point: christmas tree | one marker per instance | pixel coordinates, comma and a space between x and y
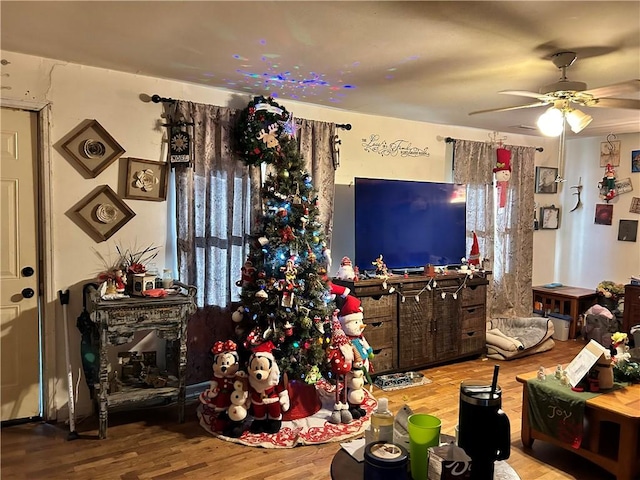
285, 297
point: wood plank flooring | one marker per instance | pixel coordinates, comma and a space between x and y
149, 444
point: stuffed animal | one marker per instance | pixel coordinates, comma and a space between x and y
269, 397
240, 402
340, 355
352, 322
218, 395
502, 172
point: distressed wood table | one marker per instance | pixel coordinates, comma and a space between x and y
620, 408
118, 321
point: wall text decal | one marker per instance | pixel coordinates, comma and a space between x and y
402, 148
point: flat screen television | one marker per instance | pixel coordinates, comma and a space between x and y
410, 223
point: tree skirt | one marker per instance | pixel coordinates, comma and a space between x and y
311, 430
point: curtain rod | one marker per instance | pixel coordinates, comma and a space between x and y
155, 98
453, 140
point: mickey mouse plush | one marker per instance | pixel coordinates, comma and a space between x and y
269, 397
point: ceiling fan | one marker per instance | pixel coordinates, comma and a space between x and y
564, 94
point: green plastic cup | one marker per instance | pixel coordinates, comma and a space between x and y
424, 432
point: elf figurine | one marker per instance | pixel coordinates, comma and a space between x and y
502, 172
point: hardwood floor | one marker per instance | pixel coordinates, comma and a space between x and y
149, 444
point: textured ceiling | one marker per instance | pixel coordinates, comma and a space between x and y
427, 61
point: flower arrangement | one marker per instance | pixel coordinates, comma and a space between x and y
624, 369
258, 131
129, 261
609, 289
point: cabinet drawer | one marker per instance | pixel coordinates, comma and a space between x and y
383, 306
379, 334
383, 360
474, 295
473, 342
148, 317
473, 318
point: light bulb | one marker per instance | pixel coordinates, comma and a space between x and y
550, 122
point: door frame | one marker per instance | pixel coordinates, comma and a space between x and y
47, 295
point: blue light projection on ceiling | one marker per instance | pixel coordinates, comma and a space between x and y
292, 82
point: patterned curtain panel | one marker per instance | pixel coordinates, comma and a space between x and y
504, 234
212, 217
513, 249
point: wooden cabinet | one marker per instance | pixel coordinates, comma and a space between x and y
631, 315
410, 324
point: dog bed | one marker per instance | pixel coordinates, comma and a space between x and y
510, 338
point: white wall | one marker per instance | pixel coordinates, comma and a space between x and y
78, 93
588, 253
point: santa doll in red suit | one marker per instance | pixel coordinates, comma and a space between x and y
269, 397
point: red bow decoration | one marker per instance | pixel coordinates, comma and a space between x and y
219, 347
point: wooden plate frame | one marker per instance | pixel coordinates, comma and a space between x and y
92, 164
159, 191
87, 212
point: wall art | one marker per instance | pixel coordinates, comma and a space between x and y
628, 230
549, 218
146, 180
635, 161
635, 205
604, 214
546, 180
623, 185
610, 153
103, 213
92, 148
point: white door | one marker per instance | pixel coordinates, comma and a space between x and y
19, 346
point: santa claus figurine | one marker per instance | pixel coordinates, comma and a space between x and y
345, 272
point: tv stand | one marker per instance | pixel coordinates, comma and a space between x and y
410, 334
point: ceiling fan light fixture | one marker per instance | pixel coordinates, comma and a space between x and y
551, 122
578, 120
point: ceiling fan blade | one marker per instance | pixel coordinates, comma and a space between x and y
506, 109
616, 103
522, 93
615, 90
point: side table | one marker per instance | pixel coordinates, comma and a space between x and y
565, 300
118, 320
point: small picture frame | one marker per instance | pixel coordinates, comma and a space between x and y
546, 180
103, 213
146, 180
635, 161
635, 205
549, 218
604, 214
92, 148
628, 230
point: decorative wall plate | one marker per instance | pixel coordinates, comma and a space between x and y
91, 146
102, 213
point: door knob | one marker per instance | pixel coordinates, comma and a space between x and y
27, 271
28, 292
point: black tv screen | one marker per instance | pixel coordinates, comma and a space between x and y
410, 223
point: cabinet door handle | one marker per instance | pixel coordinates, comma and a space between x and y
471, 310
376, 352
376, 324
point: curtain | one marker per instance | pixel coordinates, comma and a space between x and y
212, 222
217, 204
505, 235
